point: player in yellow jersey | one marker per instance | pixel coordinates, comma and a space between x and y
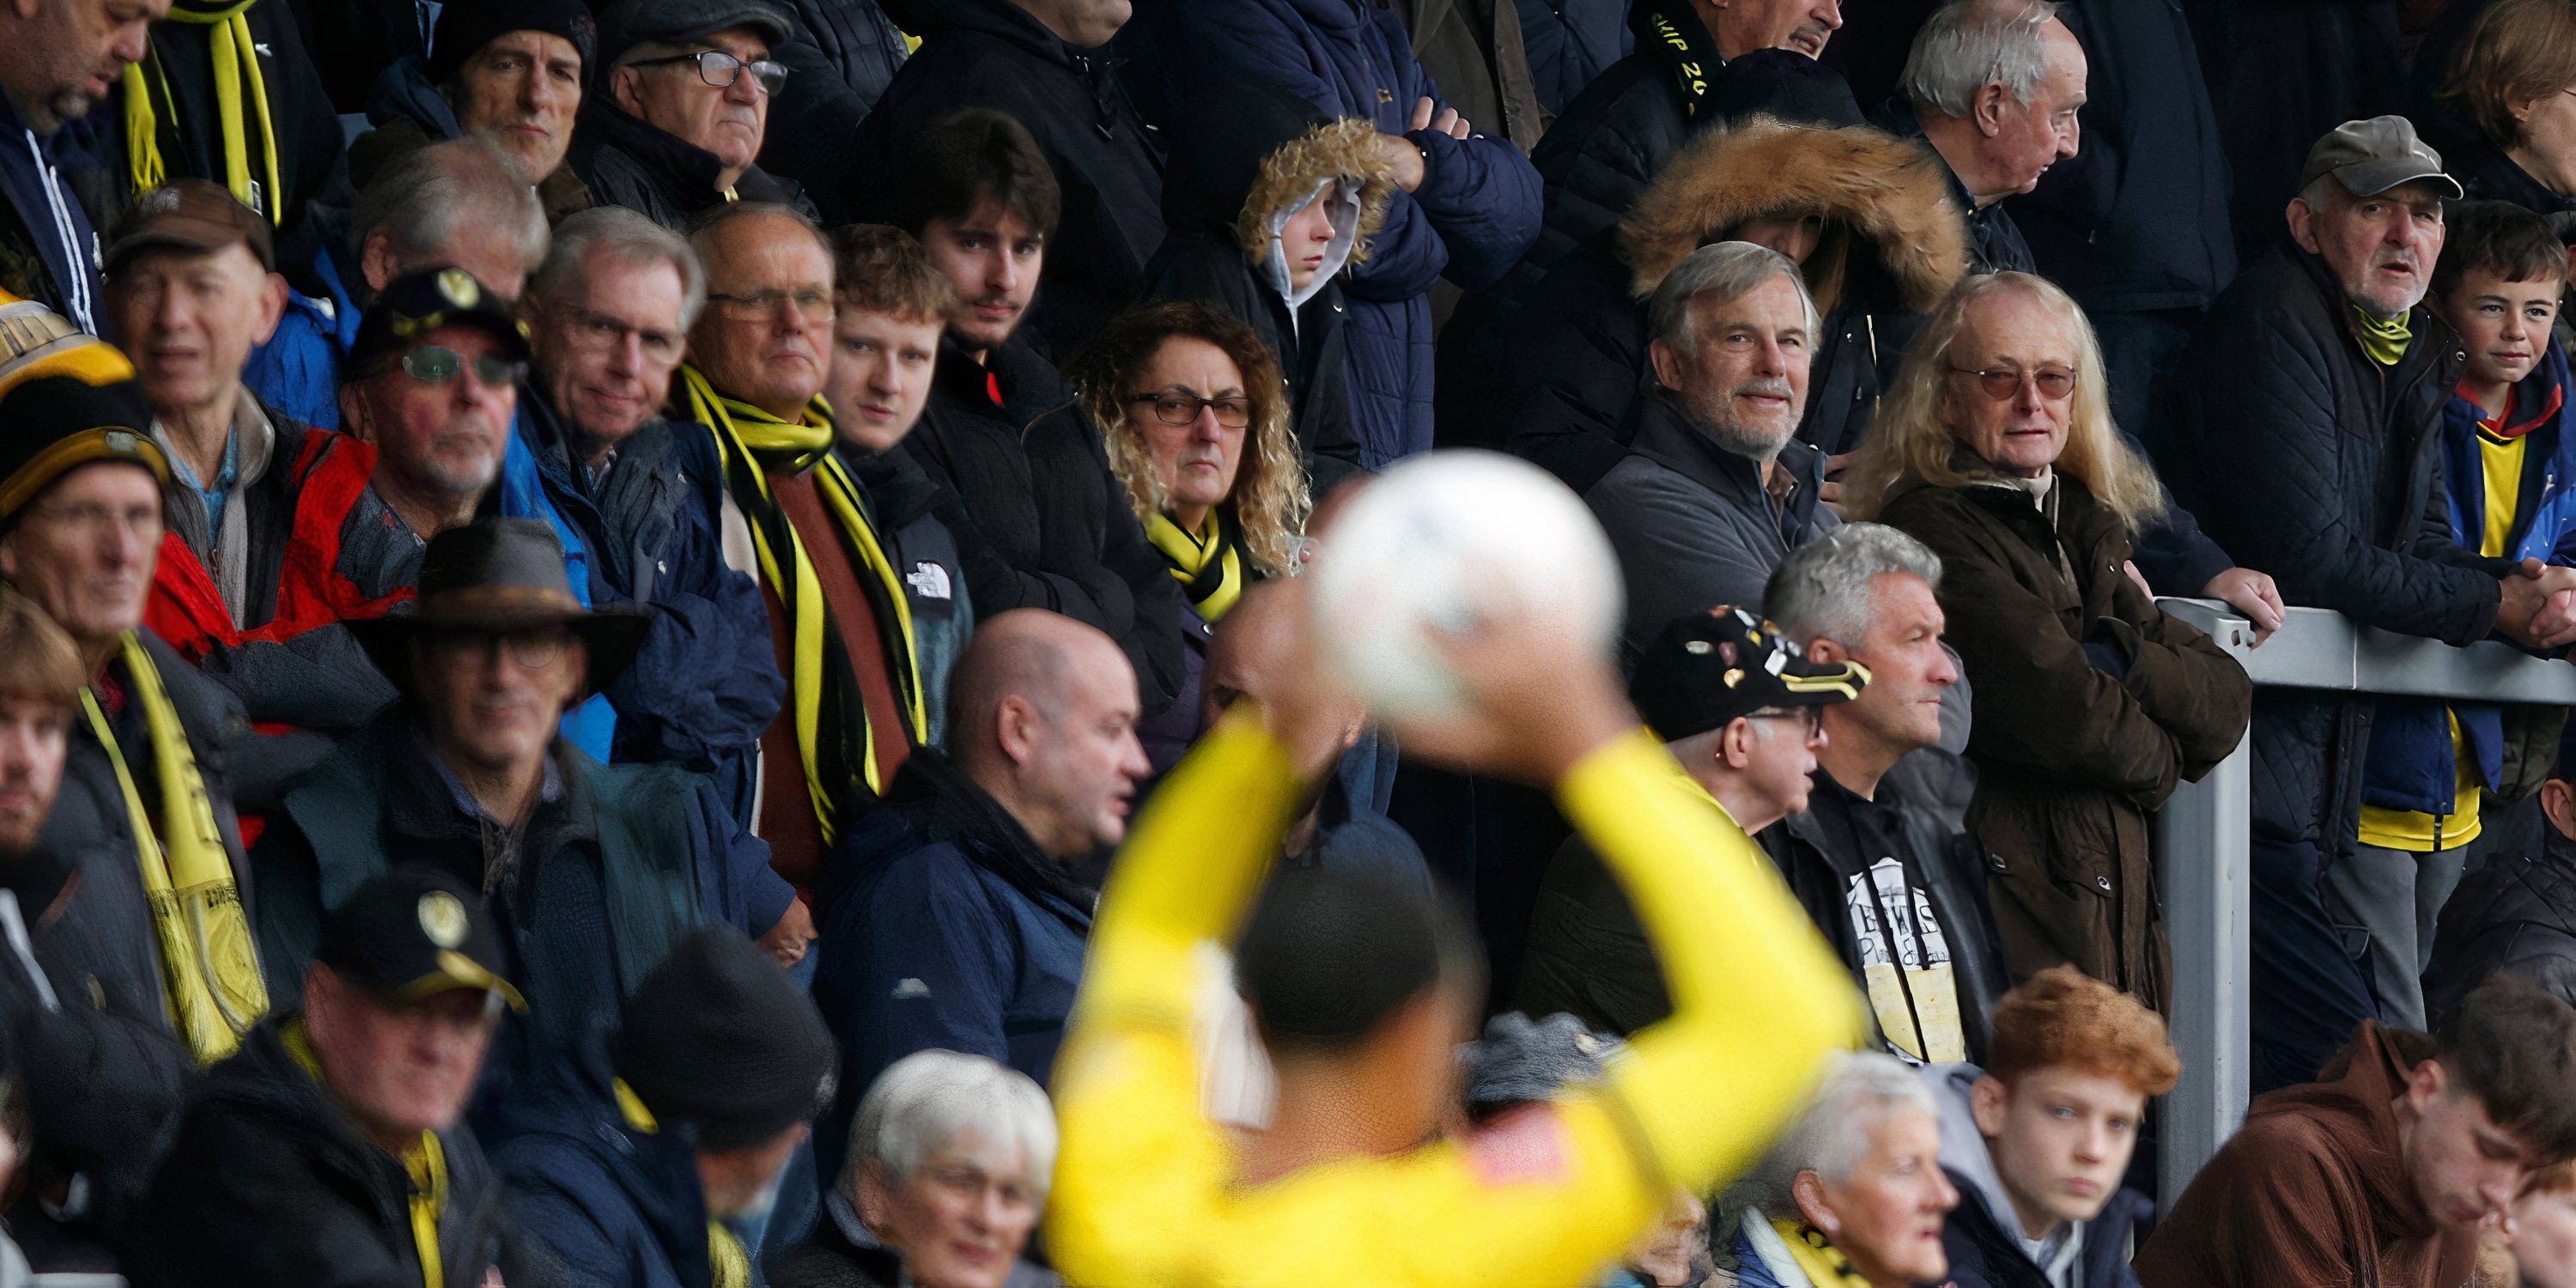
1149, 1193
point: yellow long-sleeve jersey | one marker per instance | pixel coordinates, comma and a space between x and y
1144, 1192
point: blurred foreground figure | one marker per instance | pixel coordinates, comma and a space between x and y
1362, 993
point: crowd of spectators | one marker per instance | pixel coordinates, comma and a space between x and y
591, 592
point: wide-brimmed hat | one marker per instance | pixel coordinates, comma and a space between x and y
498, 576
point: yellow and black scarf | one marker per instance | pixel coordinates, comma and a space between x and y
1675, 33
750, 441
208, 967
426, 1165
241, 106
1824, 1264
1209, 564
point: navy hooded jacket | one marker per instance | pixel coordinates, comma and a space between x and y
2410, 761
1473, 217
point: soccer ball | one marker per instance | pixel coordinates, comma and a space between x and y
1437, 542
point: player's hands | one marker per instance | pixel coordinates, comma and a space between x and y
1537, 698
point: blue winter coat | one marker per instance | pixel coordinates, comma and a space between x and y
1475, 215
2410, 761
620, 1204
944, 927
705, 684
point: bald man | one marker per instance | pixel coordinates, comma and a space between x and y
951, 918
1254, 655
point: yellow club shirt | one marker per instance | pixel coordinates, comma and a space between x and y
1145, 1194
2501, 460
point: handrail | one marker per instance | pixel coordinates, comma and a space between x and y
2204, 834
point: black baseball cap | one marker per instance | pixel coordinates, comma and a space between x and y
1709, 668
417, 303
413, 932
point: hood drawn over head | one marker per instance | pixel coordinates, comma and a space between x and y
1890, 197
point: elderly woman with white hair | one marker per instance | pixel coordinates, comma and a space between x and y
1852, 1194
1998, 452
950, 1158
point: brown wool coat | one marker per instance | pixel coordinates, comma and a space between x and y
2070, 760
2312, 1193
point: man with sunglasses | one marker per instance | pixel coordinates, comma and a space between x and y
680, 113
1717, 487
594, 870
1742, 711
428, 405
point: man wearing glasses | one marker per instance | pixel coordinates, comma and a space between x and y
1716, 489
684, 106
431, 390
1742, 712
608, 319
594, 871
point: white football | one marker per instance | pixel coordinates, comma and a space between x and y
1438, 541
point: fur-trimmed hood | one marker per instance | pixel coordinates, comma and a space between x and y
1894, 196
1344, 150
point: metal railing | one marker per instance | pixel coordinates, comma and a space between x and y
2203, 837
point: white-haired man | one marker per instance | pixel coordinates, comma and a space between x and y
1994, 87
1716, 489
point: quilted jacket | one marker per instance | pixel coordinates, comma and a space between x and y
2307, 461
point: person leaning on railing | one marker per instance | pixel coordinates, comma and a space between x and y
1997, 451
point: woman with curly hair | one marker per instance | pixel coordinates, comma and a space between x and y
1195, 415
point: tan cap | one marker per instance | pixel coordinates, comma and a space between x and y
2370, 157
188, 214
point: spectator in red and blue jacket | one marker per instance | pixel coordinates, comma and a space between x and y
1469, 205
2509, 483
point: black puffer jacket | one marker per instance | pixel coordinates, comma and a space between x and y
1556, 383
991, 53
1048, 527
1248, 155
668, 180
2137, 219
2516, 916
2483, 169
2305, 460
2281, 73
839, 60
269, 1183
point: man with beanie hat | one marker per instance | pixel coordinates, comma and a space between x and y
720, 1067
512, 71
331, 1148
148, 792
1741, 710
682, 106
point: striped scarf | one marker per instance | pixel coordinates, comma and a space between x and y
1209, 564
209, 970
1816, 1256
241, 105
750, 442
